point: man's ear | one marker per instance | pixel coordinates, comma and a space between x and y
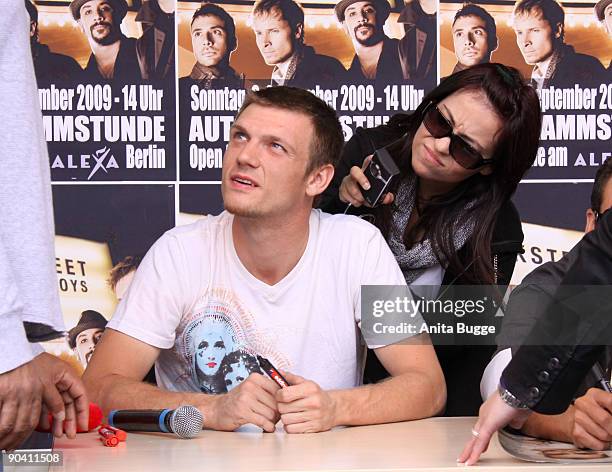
486, 170
558, 30
590, 221
299, 31
318, 180
495, 46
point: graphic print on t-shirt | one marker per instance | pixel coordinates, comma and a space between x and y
220, 341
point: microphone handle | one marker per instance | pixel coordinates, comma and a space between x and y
141, 420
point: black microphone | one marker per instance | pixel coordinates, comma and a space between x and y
186, 421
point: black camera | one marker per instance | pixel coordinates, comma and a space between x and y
380, 172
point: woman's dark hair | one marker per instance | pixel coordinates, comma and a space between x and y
518, 106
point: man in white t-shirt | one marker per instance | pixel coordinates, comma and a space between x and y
270, 276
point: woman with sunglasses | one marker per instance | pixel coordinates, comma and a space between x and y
447, 216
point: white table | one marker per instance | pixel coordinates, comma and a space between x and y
427, 444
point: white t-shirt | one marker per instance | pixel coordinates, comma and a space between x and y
193, 298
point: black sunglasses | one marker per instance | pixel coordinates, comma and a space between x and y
439, 127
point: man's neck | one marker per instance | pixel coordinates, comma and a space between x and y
167, 6
269, 248
283, 66
368, 58
106, 57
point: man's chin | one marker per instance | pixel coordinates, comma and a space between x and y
369, 41
105, 40
243, 211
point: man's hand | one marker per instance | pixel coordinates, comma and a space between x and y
593, 420
251, 402
63, 396
305, 407
494, 414
21, 396
45, 384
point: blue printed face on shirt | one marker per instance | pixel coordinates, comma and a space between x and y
210, 353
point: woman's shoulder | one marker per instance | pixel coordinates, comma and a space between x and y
508, 231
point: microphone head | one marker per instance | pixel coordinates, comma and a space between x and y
186, 421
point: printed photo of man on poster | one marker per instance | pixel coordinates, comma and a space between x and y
49, 65
83, 338
279, 32
155, 48
102, 231
474, 36
603, 12
213, 38
539, 26
110, 113
377, 56
113, 55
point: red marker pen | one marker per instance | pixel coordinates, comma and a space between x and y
272, 372
107, 437
121, 435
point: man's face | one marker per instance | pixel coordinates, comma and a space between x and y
98, 23
264, 168
471, 41
86, 343
210, 352
535, 37
209, 40
361, 24
608, 19
274, 38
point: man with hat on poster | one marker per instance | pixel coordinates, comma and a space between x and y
83, 338
376, 55
603, 12
113, 54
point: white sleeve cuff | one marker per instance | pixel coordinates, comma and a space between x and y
493, 372
14, 345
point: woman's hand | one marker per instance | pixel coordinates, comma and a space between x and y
494, 415
350, 188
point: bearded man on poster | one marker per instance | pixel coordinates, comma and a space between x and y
113, 55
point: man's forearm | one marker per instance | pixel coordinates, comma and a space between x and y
408, 396
554, 427
115, 392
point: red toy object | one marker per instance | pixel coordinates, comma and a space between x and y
95, 418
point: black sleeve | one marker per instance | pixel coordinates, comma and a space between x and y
507, 241
353, 154
546, 375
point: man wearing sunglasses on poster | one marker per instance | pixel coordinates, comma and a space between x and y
464, 151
